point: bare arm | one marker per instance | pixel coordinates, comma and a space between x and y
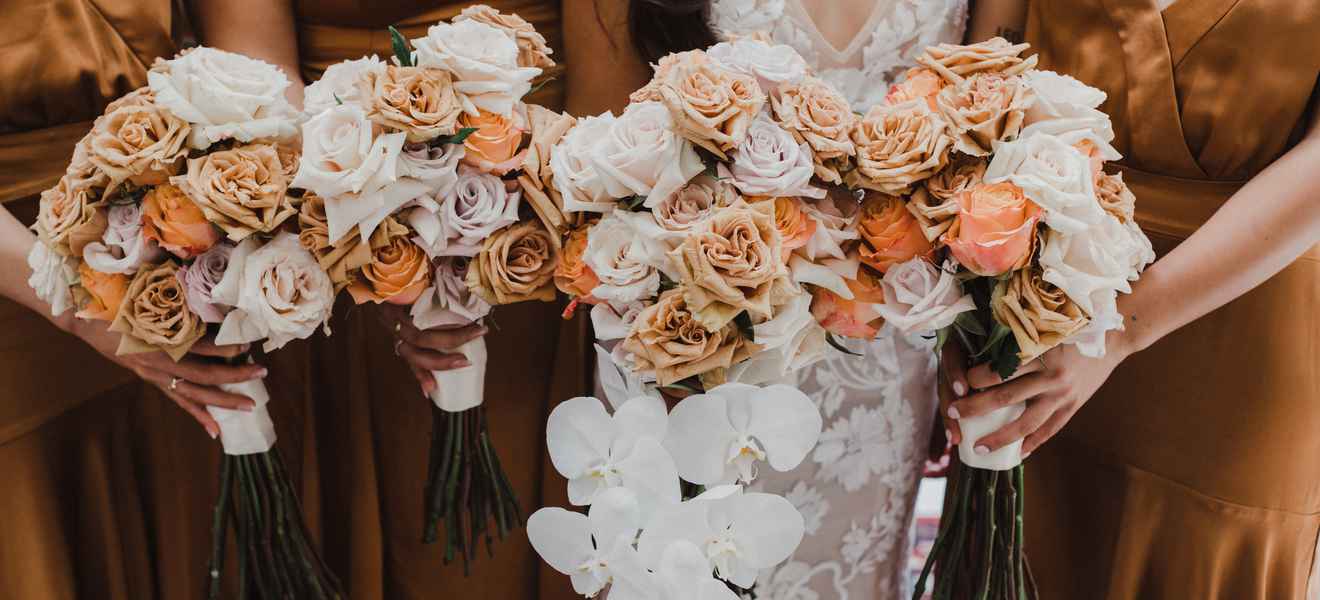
602, 67
1002, 18
263, 29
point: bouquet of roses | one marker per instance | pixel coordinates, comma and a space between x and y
171, 223
416, 170
997, 168
715, 236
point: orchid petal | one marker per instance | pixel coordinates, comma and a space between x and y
768, 528
786, 423
614, 517
561, 537
578, 435
650, 472
699, 434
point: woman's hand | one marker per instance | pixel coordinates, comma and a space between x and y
1054, 386
192, 382
427, 350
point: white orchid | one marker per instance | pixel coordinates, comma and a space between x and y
720, 436
738, 533
683, 573
597, 452
588, 548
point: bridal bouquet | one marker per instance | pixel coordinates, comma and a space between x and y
414, 171
171, 223
997, 167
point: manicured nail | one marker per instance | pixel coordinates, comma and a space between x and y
1024, 456
948, 435
981, 450
953, 413
213, 433
462, 364
262, 373
959, 389
249, 407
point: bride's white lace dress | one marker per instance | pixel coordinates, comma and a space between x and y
857, 489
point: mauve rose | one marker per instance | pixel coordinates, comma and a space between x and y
448, 302
770, 162
201, 276
122, 248
435, 166
456, 225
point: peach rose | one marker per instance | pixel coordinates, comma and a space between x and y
493, 147
340, 258
243, 190
890, 234
667, 339
515, 264
573, 276
932, 203
794, 226
105, 293
1115, 197
398, 272
154, 314
985, 108
733, 262
69, 216
712, 106
954, 62
856, 318
815, 113
898, 146
174, 222
137, 141
417, 101
532, 49
917, 83
1040, 314
995, 231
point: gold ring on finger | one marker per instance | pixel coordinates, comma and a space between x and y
174, 383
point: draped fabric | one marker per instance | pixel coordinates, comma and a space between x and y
1193, 472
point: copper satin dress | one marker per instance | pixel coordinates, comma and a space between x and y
107, 485
1194, 474
374, 424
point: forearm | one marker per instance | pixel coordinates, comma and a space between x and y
1262, 229
1002, 18
15, 243
264, 29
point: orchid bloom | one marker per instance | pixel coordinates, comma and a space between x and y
683, 573
720, 436
588, 547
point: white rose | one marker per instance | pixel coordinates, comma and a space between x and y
833, 230
52, 274
483, 60
790, 341
122, 248
1054, 175
223, 95
773, 65
613, 322
339, 84
279, 293
477, 206
356, 171
1063, 98
448, 302
436, 167
769, 162
575, 176
624, 261
922, 298
641, 154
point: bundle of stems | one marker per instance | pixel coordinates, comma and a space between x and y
276, 556
466, 487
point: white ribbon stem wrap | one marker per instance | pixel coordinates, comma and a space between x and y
243, 432
975, 428
457, 390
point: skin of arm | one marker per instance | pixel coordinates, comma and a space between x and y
602, 68
263, 29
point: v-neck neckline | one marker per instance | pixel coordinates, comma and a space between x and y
859, 38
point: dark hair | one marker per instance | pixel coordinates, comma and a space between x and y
660, 27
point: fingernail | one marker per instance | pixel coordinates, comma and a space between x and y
948, 435
953, 413
462, 364
959, 389
981, 450
1025, 456
262, 373
250, 406
213, 433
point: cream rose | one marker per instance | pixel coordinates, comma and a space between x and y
278, 291
624, 261
580, 186
898, 146
223, 95
339, 85
983, 109
137, 141
482, 58
770, 162
419, 102
122, 248
155, 315
1040, 315
642, 155
922, 298
515, 264
711, 105
668, 342
773, 65
243, 190
734, 262
52, 275
1054, 175
70, 216
1063, 98
479, 205
532, 49
449, 302
815, 113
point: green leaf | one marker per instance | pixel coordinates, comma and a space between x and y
1008, 361
634, 203
536, 88
968, 322
744, 323
401, 50
941, 338
458, 137
338, 99
829, 339
998, 335
666, 284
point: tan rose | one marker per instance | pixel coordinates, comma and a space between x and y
711, 106
417, 101
105, 293
815, 113
733, 262
537, 178
573, 276
515, 264
137, 141
338, 258
242, 190
532, 49
1115, 197
890, 234
954, 62
493, 147
154, 314
794, 226
932, 203
666, 338
398, 272
985, 108
1040, 314
916, 83
176, 223
70, 217
995, 231
82, 172
898, 146
693, 202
